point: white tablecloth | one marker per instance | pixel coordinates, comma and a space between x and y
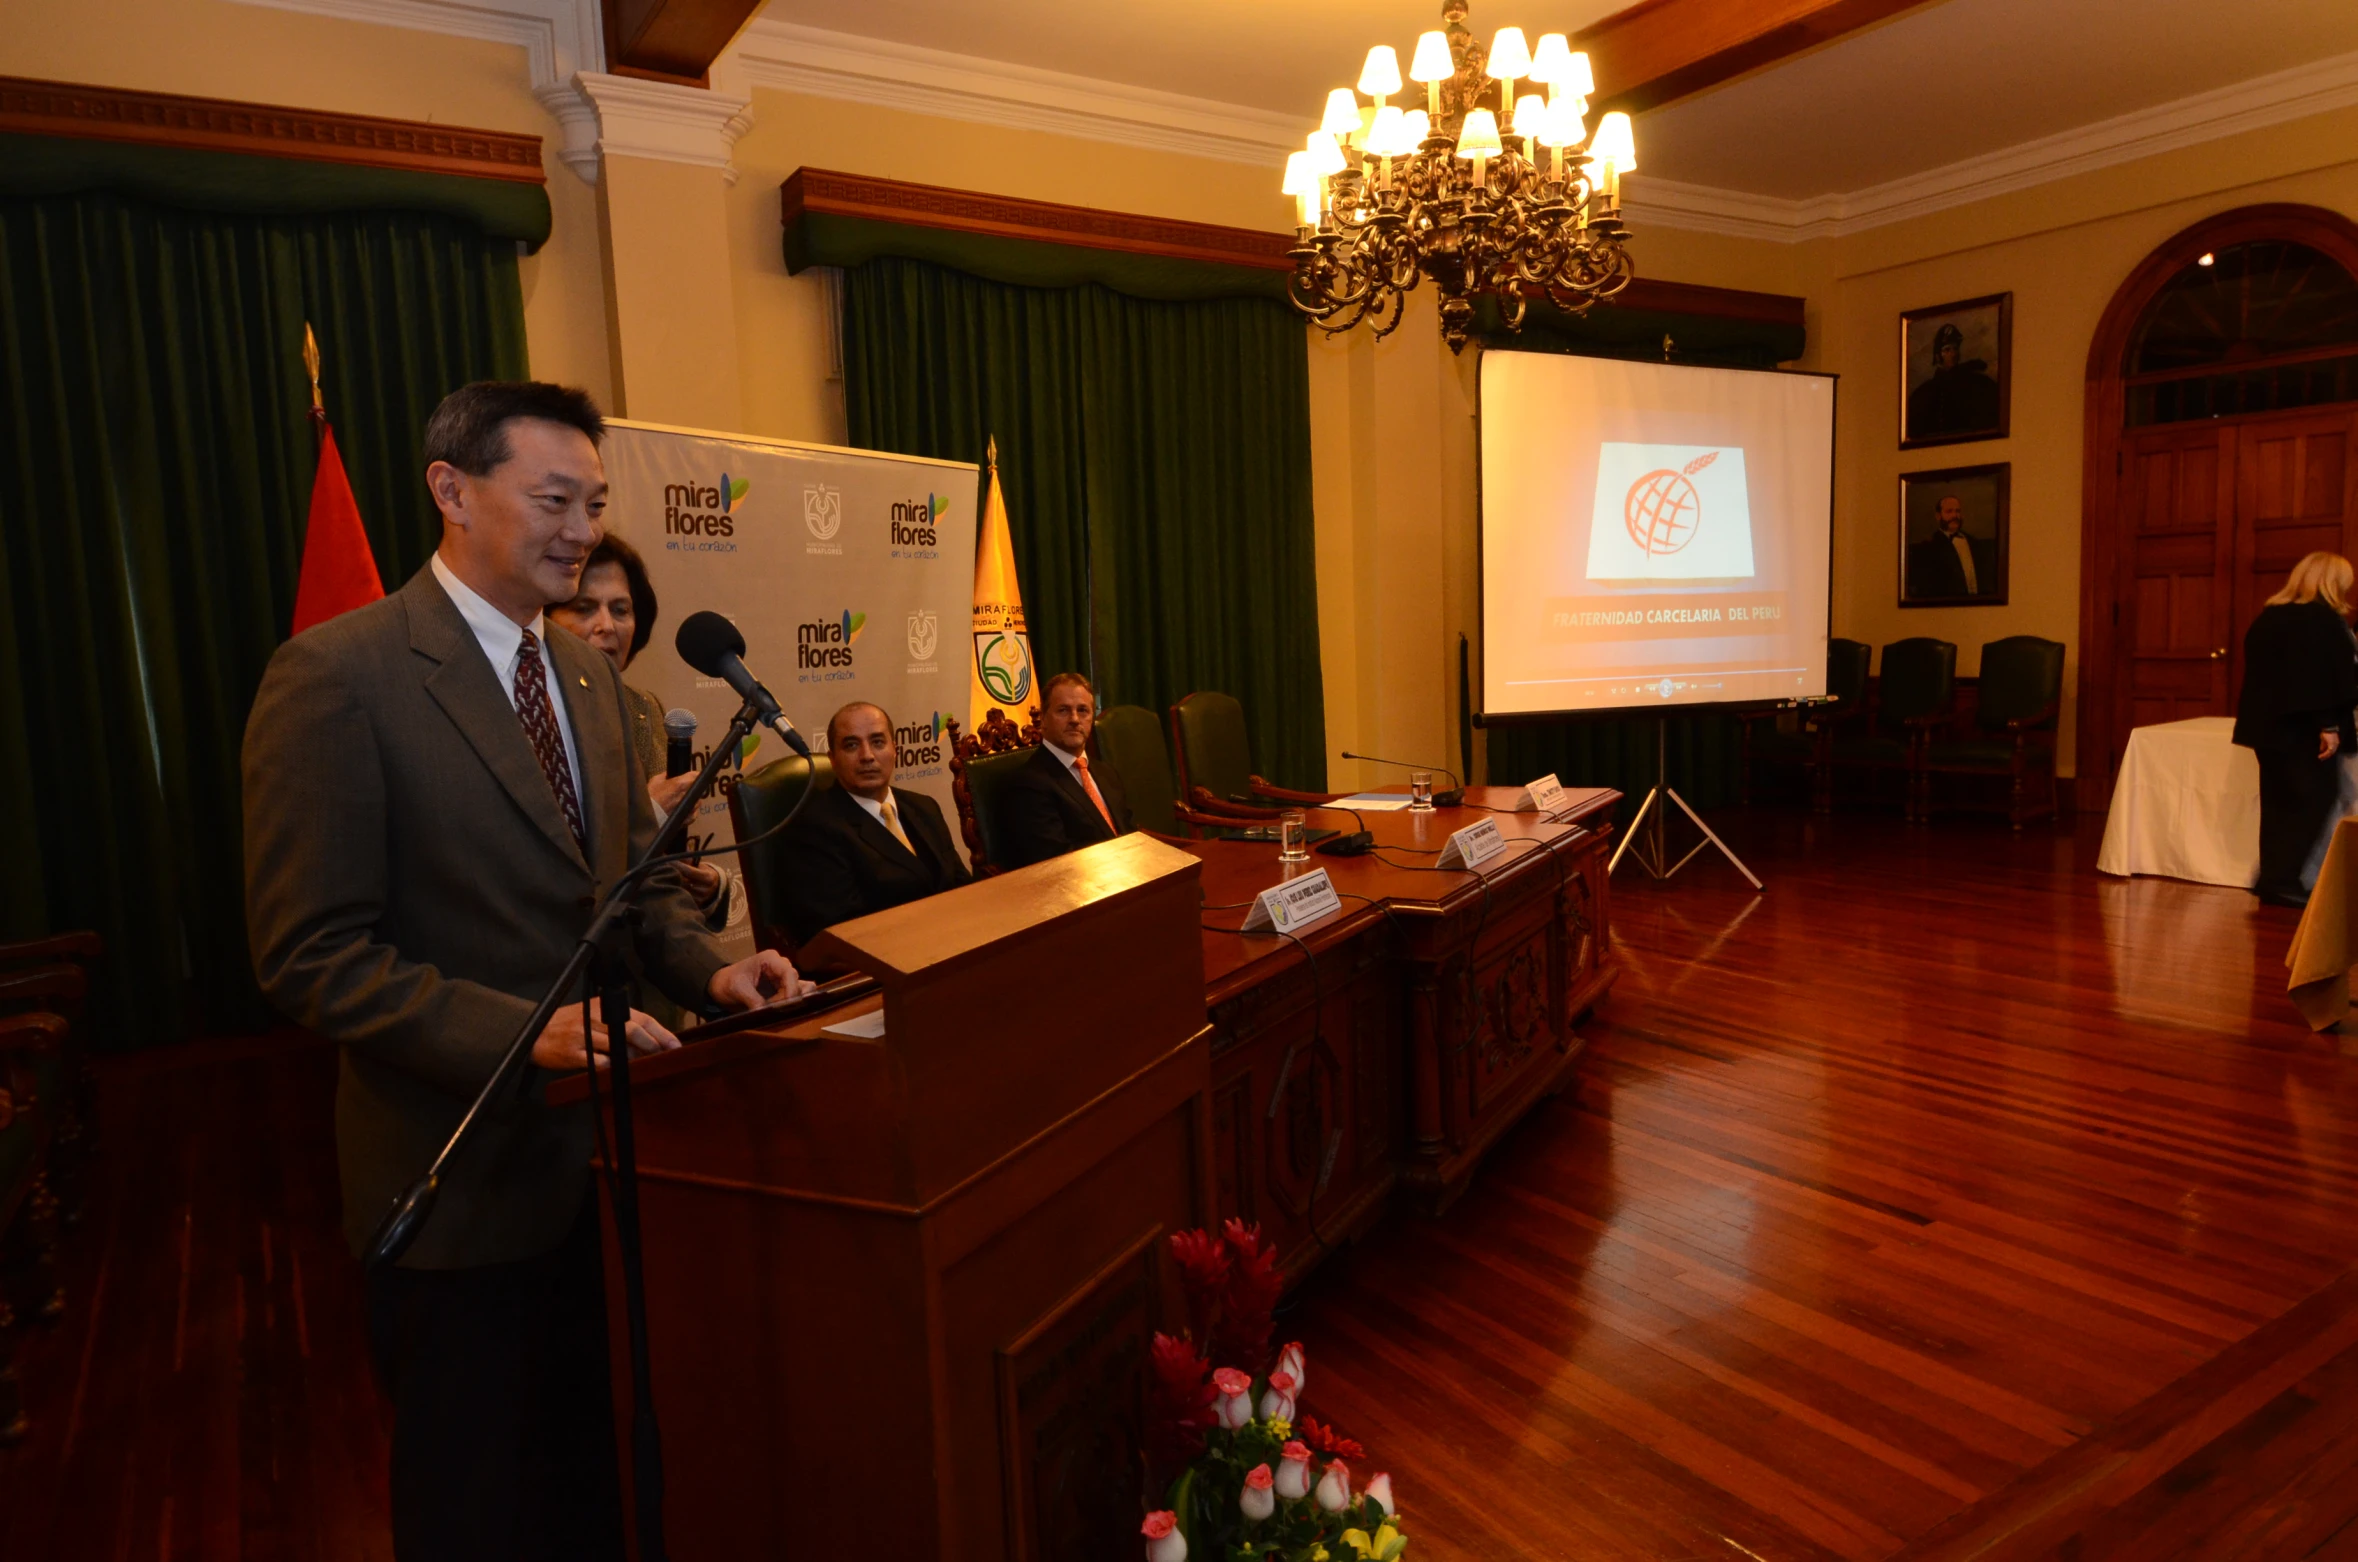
2187, 805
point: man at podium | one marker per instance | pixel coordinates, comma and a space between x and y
437, 791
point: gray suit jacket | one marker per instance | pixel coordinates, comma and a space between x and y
411, 887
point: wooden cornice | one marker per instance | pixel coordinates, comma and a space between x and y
1659, 51
1718, 303
821, 192
163, 119
672, 40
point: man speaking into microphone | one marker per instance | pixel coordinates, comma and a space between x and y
437, 793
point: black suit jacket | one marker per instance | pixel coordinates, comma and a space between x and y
1044, 813
1933, 570
841, 862
2299, 679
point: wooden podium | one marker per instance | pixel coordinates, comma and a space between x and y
900, 1290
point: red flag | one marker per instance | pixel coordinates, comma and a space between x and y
339, 571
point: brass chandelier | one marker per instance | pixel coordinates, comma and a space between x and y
1489, 194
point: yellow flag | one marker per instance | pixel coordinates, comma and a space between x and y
1002, 667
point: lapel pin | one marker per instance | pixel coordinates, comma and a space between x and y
584, 681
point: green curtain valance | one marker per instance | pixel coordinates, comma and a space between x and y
238, 183
1612, 330
839, 239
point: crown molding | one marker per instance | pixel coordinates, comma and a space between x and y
663, 120
59, 108
560, 39
787, 57
2305, 90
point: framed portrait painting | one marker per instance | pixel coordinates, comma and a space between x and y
1954, 545
1956, 371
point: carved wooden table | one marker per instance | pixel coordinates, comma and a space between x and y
1396, 1041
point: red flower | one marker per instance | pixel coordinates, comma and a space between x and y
1258, 1477
1203, 1274
1230, 1381
1159, 1524
1330, 1442
1179, 1400
1250, 1296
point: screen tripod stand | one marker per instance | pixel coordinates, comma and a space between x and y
1654, 855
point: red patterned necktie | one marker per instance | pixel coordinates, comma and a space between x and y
540, 725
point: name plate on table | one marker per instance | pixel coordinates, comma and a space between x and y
1544, 795
1473, 846
1295, 904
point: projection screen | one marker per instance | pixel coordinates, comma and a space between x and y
1652, 534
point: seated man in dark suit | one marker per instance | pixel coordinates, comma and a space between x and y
864, 846
1063, 799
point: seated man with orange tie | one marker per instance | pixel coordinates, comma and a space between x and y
1065, 798
864, 846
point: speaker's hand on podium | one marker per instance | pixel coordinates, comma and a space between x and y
765, 976
560, 1049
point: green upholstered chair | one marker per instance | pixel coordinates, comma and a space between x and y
1216, 763
1803, 745
2012, 733
1917, 691
759, 800
976, 782
1132, 741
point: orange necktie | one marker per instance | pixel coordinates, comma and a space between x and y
1089, 785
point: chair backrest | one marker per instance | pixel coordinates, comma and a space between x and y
2021, 676
758, 801
980, 780
1847, 662
1208, 730
1919, 678
1132, 741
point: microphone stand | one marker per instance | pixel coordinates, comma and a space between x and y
598, 957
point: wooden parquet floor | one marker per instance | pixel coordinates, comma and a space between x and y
1947, 1201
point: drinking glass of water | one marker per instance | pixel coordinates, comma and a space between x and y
1293, 836
1420, 791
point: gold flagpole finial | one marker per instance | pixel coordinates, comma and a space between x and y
311, 362
994, 452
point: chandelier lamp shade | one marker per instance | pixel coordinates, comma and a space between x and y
1487, 192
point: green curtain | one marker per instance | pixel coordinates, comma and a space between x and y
1156, 460
152, 503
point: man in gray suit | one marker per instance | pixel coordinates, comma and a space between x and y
437, 791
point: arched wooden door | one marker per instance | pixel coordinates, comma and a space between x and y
2222, 445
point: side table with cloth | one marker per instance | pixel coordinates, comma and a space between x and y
2187, 805
2321, 954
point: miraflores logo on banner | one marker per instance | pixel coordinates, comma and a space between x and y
822, 513
697, 519
920, 745
925, 638
915, 526
823, 647
1003, 661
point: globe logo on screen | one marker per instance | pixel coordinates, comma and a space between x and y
1663, 510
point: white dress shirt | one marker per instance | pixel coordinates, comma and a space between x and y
502, 639
1072, 762
1965, 557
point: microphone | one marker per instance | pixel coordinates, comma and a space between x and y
1449, 799
679, 736
711, 644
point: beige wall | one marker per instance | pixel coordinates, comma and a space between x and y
2062, 250
664, 291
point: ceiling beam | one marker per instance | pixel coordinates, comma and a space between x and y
1659, 51
672, 40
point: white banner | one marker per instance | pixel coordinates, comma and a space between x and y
851, 574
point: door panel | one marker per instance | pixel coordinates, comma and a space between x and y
2178, 499
2293, 497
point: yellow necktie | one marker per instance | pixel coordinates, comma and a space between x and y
892, 822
